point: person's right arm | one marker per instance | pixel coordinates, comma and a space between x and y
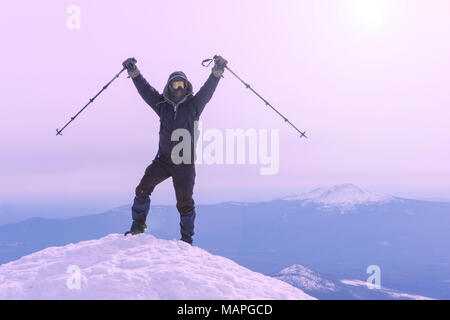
150, 95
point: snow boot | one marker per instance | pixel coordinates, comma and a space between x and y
136, 228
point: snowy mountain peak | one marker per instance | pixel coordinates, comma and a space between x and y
302, 277
343, 195
311, 282
137, 267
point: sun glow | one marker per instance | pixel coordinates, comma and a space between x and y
371, 13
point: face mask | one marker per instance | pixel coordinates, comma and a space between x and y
177, 94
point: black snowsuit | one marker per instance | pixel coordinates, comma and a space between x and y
172, 116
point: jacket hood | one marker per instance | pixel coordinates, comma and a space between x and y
173, 75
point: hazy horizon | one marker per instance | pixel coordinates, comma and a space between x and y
66, 209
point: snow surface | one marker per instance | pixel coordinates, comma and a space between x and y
344, 195
136, 267
302, 277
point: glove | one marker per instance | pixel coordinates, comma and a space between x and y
130, 65
219, 66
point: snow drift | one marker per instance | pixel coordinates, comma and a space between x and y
138, 267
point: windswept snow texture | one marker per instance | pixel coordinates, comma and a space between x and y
138, 267
345, 196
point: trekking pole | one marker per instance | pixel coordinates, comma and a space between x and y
59, 132
209, 61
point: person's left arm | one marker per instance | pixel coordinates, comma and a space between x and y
206, 92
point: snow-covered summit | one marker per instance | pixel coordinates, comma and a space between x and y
137, 267
304, 278
343, 195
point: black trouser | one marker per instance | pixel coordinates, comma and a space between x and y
183, 177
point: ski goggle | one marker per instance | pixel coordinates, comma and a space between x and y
178, 84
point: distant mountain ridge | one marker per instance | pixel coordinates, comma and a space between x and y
314, 284
344, 196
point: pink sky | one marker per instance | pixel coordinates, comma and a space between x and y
369, 83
